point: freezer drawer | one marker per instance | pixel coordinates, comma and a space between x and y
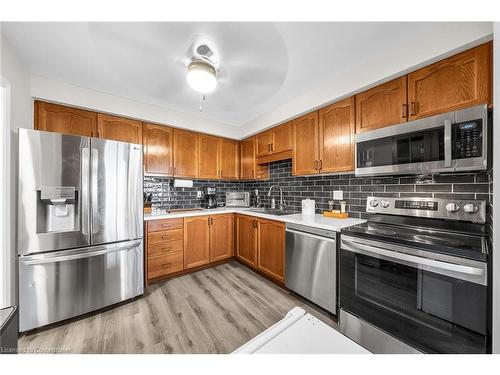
63, 284
311, 264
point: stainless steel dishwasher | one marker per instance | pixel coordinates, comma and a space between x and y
311, 259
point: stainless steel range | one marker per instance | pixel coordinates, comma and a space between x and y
414, 278
80, 220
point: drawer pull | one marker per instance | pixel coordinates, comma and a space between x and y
166, 265
164, 225
164, 237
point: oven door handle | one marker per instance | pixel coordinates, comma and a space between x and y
464, 272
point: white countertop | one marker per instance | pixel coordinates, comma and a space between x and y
316, 221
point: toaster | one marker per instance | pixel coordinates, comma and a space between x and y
237, 199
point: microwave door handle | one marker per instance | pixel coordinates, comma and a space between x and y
447, 143
395, 256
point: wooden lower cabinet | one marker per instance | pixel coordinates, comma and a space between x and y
221, 237
164, 248
271, 248
196, 241
182, 244
246, 239
261, 245
163, 265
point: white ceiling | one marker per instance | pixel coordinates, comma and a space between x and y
263, 66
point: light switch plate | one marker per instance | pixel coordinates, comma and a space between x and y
198, 194
338, 195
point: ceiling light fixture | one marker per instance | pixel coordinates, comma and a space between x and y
201, 77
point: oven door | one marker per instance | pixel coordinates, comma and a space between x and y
432, 302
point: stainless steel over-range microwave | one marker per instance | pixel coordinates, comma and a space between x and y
454, 141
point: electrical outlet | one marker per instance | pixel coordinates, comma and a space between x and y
338, 195
198, 194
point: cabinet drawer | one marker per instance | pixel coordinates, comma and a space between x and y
165, 236
164, 224
165, 264
165, 248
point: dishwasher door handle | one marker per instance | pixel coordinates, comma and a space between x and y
333, 240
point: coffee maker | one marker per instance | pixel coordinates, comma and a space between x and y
209, 197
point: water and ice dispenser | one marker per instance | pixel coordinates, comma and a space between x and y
57, 209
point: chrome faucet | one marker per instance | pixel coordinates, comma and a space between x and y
281, 205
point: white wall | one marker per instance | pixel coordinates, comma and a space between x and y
20, 116
496, 189
61, 92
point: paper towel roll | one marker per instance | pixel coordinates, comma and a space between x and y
308, 207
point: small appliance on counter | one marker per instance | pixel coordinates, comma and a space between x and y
237, 199
209, 197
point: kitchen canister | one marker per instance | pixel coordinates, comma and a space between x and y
308, 207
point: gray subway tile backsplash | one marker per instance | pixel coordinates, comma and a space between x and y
356, 189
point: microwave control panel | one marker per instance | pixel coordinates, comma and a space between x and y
467, 139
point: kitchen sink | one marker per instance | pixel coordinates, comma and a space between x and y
271, 211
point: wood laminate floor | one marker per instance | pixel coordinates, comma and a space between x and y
211, 311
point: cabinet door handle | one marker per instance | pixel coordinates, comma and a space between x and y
315, 165
413, 108
272, 147
320, 165
404, 110
173, 170
253, 173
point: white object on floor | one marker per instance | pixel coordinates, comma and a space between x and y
300, 333
183, 183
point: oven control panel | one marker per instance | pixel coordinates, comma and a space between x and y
416, 205
464, 210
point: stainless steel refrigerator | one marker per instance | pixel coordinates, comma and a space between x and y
80, 225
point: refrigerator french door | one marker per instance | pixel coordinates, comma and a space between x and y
79, 225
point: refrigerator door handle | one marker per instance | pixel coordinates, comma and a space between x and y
62, 256
84, 201
94, 192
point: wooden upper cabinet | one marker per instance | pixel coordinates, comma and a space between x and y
246, 239
336, 136
229, 165
196, 241
221, 237
282, 138
460, 81
208, 156
271, 248
119, 128
185, 154
247, 158
305, 144
382, 106
263, 143
67, 120
158, 149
